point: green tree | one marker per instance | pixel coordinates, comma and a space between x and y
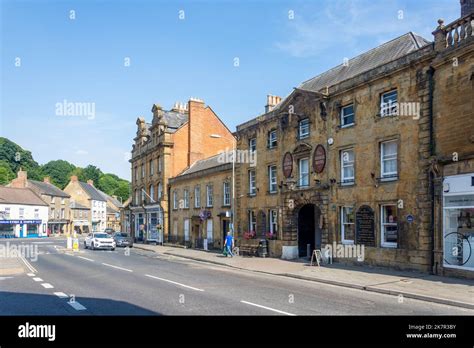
6, 174
123, 190
17, 157
108, 183
91, 173
59, 171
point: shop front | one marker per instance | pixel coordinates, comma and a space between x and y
458, 222
154, 225
22, 229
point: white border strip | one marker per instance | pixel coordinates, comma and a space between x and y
270, 309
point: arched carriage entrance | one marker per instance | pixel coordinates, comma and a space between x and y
308, 229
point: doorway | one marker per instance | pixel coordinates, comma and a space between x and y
225, 229
308, 230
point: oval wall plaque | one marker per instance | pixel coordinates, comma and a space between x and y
287, 165
319, 159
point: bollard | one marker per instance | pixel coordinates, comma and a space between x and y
75, 245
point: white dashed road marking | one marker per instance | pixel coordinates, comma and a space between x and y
77, 306
61, 295
30, 274
47, 286
85, 258
37, 279
268, 308
117, 267
173, 282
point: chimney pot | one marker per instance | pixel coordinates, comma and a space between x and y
90, 182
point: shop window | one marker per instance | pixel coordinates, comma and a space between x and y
389, 226
347, 225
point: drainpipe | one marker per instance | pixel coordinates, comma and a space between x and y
430, 73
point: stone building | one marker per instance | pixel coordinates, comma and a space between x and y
113, 211
59, 221
200, 204
350, 156
164, 148
452, 145
87, 195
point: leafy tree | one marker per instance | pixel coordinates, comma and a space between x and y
59, 171
123, 190
108, 183
91, 173
16, 156
6, 174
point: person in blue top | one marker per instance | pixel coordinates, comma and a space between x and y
229, 243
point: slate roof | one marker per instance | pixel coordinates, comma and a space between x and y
111, 211
48, 189
92, 192
76, 205
174, 119
207, 163
114, 201
369, 60
11, 195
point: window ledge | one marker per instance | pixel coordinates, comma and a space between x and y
251, 194
351, 125
389, 245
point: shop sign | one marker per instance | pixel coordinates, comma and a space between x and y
21, 222
287, 165
319, 159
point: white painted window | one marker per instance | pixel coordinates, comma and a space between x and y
175, 199
52, 213
303, 128
389, 225
347, 116
186, 198
53, 199
160, 190
63, 201
209, 229
37, 213
252, 185
143, 171
226, 195
273, 221
272, 179
253, 144
152, 193
272, 139
209, 196
186, 230
137, 198
303, 165
347, 167
143, 196
63, 213
388, 160
347, 225
197, 197
152, 168
252, 221
7, 213
388, 103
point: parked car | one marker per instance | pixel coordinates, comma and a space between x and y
110, 231
123, 239
99, 240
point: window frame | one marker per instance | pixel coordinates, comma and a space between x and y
197, 196
253, 144
252, 175
226, 194
175, 199
272, 179
186, 198
384, 244
209, 196
252, 220
383, 109
273, 221
303, 123
343, 116
388, 176
343, 224
347, 181
300, 176
272, 139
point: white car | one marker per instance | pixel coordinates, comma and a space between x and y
99, 240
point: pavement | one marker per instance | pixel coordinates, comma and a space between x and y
149, 280
415, 285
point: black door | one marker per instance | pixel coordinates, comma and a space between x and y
225, 229
306, 229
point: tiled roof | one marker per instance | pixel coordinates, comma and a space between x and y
207, 163
369, 60
48, 189
11, 195
92, 192
174, 119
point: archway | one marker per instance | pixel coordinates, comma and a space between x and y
308, 229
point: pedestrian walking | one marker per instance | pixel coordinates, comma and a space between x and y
229, 244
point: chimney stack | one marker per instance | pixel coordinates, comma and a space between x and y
21, 180
74, 178
272, 101
46, 180
180, 107
90, 182
467, 7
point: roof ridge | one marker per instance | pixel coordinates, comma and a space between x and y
409, 34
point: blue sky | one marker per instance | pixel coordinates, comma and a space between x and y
172, 59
